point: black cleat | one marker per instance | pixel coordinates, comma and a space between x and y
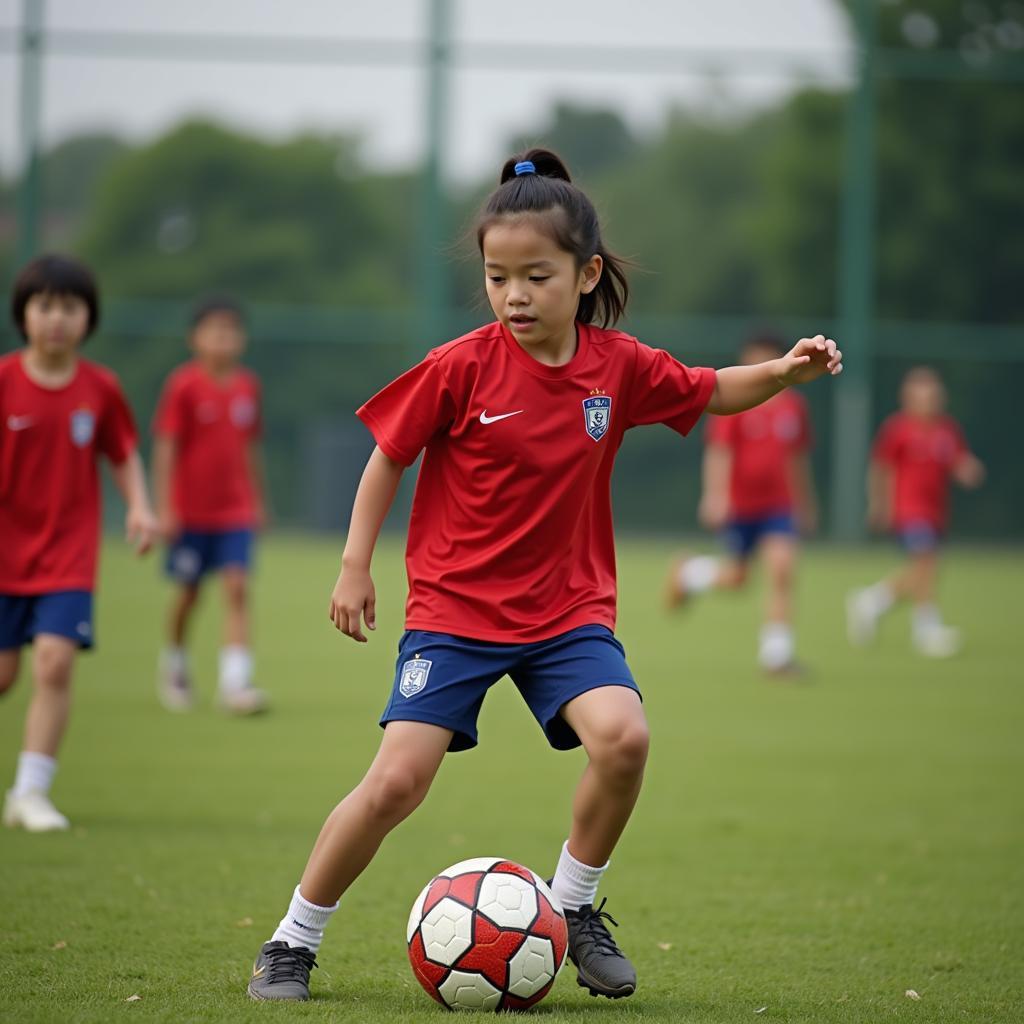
601, 966
281, 972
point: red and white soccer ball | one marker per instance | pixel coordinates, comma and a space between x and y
487, 934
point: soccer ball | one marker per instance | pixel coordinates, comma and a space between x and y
487, 934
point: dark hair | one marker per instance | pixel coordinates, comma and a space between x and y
766, 340
210, 304
572, 224
54, 274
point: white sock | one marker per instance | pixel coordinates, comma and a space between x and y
174, 659
235, 668
304, 923
575, 884
777, 646
35, 773
878, 597
925, 617
698, 574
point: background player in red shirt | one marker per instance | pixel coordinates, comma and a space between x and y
511, 558
917, 452
208, 483
758, 490
58, 414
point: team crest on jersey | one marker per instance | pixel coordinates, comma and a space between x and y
83, 426
414, 676
243, 411
597, 413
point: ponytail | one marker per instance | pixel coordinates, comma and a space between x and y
537, 182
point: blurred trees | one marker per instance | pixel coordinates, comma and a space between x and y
737, 218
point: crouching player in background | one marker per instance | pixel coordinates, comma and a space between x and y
758, 491
208, 482
58, 415
917, 452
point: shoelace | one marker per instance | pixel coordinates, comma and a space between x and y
288, 963
593, 929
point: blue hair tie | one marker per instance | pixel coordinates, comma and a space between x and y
525, 167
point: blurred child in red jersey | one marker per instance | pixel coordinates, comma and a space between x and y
208, 483
58, 414
758, 491
917, 452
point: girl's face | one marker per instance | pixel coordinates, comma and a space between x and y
55, 324
923, 395
219, 340
534, 287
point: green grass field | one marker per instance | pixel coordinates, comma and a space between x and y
812, 850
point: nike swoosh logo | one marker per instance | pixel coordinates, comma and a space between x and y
484, 418
256, 973
19, 422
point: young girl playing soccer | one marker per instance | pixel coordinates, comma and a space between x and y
58, 414
917, 452
759, 492
510, 557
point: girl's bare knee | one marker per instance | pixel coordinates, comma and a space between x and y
622, 753
394, 792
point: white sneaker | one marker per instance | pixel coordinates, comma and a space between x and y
861, 618
245, 700
33, 812
938, 641
174, 687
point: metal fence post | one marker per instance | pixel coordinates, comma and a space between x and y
30, 96
431, 272
851, 418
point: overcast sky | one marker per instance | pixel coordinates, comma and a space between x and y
384, 105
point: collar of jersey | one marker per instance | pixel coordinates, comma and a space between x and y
521, 356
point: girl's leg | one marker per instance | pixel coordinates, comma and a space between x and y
236, 606
28, 803
611, 725
396, 783
237, 693
53, 659
777, 647
175, 684
10, 661
692, 575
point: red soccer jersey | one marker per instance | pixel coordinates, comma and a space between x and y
213, 423
763, 442
921, 454
510, 536
50, 441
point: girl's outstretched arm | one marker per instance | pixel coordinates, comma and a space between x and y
354, 596
742, 387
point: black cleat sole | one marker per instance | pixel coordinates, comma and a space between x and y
620, 993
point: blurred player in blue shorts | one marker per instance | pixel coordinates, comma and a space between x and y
59, 414
208, 482
759, 493
917, 452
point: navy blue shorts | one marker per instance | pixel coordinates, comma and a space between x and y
442, 679
65, 613
741, 536
918, 538
197, 552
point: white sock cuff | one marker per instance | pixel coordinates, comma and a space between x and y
309, 913
236, 663
35, 773
576, 869
698, 574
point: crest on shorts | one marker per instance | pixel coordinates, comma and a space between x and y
414, 676
597, 413
83, 426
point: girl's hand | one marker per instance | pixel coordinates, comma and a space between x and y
809, 359
354, 597
141, 528
713, 511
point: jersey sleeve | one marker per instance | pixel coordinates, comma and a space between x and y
411, 410
117, 437
665, 391
169, 419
